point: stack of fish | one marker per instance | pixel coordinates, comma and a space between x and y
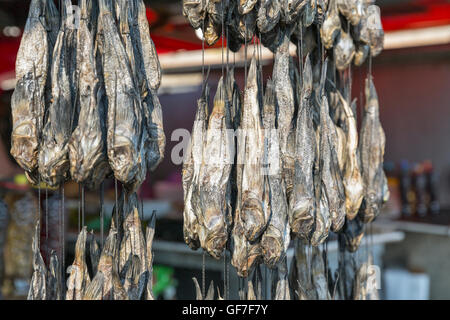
85, 103
121, 270
85, 107
300, 171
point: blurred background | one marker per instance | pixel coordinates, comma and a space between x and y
410, 240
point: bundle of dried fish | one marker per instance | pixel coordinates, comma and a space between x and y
126, 136
62, 114
371, 149
78, 279
87, 147
38, 285
302, 201
191, 172
214, 177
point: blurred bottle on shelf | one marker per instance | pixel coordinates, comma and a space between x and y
431, 183
420, 193
406, 192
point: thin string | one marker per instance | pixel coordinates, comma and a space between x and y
117, 205
79, 208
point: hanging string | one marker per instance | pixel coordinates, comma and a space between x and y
117, 205
79, 208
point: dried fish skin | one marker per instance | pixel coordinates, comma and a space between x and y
302, 201
125, 136
78, 279
251, 141
191, 170
150, 57
62, 114
353, 181
331, 26
361, 54
195, 11
344, 51
38, 284
215, 172
87, 147
371, 149
28, 99
54, 278
352, 10
269, 14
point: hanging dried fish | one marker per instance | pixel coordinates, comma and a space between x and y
38, 285
361, 54
214, 178
371, 149
100, 288
245, 6
125, 137
365, 287
280, 286
94, 252
353, 182
374, 30
198, 291
300, 281
212, 32
344, 51
271, 39
319, 280
329, 164
291, 10
352, 10
309, 13
195, 11
87, 147
135, 280
302, 201
247, 25
28, 100
54, 278
331, 27
62, 114
269, 13
276, 238
78, 279
191, 171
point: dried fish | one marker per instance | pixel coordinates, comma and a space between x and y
216, 12
302, 201
62, 113
331, 27
371, 150
352, 10
212, 32
87, 147
272, 38
135, 280
94, 252
276, 237
344, 51
280, 286
361, 54
365, 287
329, 165
101, 285
125, 137
191, 171
195, 11
269, 13
300, 281
150, 233
29, 97
319, 279
353, 182
247, 25
374, 30
54, 278
214, 177
78, 279
251, 155
309, 13
38, 285
245, 6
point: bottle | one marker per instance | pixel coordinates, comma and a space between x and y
405, 188
420, 191
431, 188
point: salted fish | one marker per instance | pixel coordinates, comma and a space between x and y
195, 12
87, 146
269, 13
343, 51
78, 279
149, 235
54, 278
215, 173
331, 26
38, 284
352, 10
280, 286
